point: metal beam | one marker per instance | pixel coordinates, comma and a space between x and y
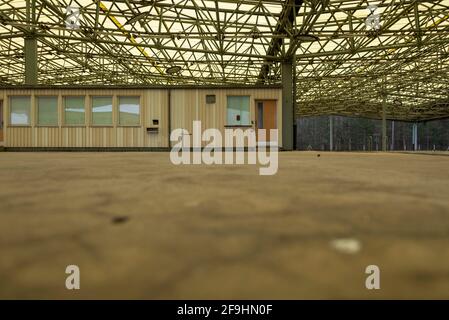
31, 69
415, 137
30, 45
384, 123
392, 136
235, 42
331, 133
284, 25
287, 105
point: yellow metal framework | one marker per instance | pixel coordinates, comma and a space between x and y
342, 66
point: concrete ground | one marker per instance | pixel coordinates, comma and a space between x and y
140, 227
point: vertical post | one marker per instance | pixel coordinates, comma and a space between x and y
417, 24
415, 136
30, 60
287, 104
384, 123
295, 105
331, 133
169, 117
30, 45
392, 136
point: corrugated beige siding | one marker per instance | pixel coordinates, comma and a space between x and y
74, 137
47, 137
187, 105
19, 137
157, 109
101, 137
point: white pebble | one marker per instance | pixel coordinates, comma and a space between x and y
348, 246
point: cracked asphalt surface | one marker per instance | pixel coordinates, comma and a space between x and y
140, 227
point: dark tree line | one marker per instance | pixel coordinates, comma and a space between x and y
360, 134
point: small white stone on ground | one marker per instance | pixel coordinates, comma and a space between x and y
348, 246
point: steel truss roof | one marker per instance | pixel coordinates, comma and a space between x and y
341, 66
350, 69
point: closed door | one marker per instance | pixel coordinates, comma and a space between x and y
1, 121
266, 113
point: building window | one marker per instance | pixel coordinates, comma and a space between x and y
129, 111
211, 98
47, 111
102, 111
20, 110
238, 111
74, 111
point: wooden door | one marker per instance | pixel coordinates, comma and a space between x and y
266, 115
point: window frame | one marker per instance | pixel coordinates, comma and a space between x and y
91, 111
64, 124
139, 124
36, 111
249, 124
30, 114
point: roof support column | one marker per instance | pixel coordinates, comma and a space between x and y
392, 136
331, 133
31, 60
415, 137
384, 124
287, 105
30, 48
